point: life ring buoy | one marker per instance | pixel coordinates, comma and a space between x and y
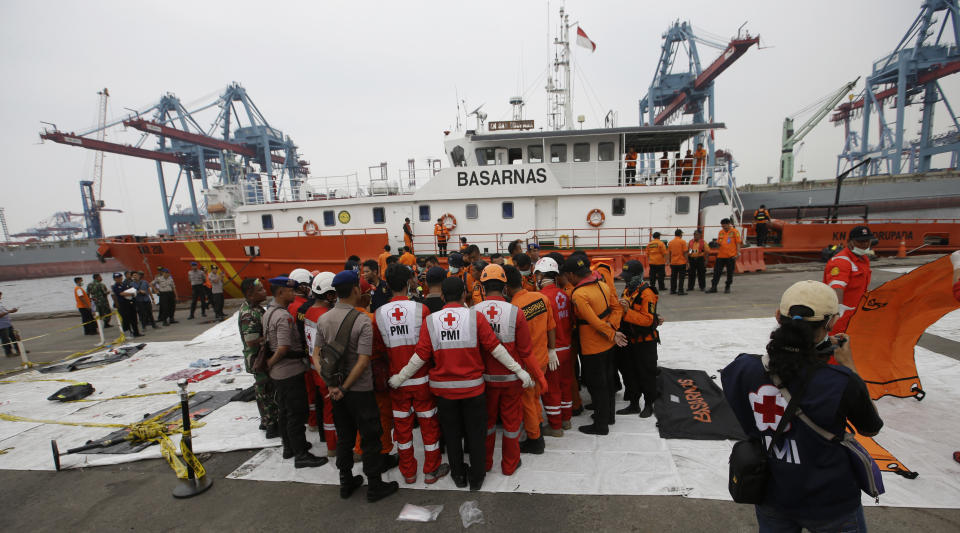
311, 228
449, 221
596, 218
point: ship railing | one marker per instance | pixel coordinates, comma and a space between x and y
563, 238
255, 189
580, 174
203, 235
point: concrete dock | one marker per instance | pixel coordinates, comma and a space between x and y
137, 496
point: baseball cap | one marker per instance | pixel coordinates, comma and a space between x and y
575, 265
860, 233
346, 277
630, 269
193, 263
546, 264
118, 274
809, 300
493, 272
455, 260
533, 246
283, 281
436, 275
161, 269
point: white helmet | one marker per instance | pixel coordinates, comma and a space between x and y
323, 283
300, 275
546, 264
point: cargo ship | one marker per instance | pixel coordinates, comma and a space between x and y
48, 259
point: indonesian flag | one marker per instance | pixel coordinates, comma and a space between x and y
585, 41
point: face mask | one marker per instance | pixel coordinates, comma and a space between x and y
524, 272
454, 270
860, 251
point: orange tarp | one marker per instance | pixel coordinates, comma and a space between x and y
889, 321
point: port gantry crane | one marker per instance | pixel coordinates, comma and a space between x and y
688, 92
793, 136
909, 74
182, 141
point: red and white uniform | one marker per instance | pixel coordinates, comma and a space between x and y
315, 383
452, 338
504, 389
396, 332
850, 272
560, 381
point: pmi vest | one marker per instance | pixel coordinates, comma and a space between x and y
561, 302
810, 477
398, 324
502, 317
458, 365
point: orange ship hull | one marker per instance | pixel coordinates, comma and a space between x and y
240, 257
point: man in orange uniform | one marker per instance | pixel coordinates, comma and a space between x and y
558, 401
396, 332
476, 289
442, 234
324, 298
525, 266
503, 387
664, 168
539, 314
382, 258
85, 308
598, 315
637, 341
603, 269
630, 174
848, 274
687, 168
729, 240
678, 262
657, 261
407, 234
407, 258
697, 258
699, 162
760, 219
452, 338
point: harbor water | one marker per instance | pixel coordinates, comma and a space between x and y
44, 295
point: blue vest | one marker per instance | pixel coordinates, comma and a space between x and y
810, 477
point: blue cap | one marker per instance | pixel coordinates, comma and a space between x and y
118, 274
193, 263
283, 281
346, 277
163, 269
533, 246
455, 260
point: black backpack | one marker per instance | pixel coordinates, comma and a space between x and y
332, 361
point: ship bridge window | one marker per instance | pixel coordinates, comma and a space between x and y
457, 157
619, 207
379, 215
682, 205
486, 156
266, 221
515, 156
535, 153
328, 218
605, 151
581, 152
424, 213
472, 211
507, 208
558, 153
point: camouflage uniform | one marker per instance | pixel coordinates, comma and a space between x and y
250, 321
97, 292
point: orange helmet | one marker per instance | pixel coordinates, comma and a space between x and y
493, 272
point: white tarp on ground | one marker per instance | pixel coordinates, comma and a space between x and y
232, 427
634, 460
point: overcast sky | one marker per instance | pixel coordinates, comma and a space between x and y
356, 83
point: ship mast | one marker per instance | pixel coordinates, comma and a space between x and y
561, 103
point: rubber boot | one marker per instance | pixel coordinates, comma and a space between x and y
349, 483
631, 409
308, 460
534, 446
377, 489
647, 410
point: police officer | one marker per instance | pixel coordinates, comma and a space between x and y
167, 295
637, 341
199, 292
125, 306
452, 339
250, 321
286, 368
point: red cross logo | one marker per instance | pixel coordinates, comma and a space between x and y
450, 321
561, 300
398, 315
768, 407
493, 313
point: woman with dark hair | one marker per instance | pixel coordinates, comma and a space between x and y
812, 483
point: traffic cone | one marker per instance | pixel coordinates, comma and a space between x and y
902, 251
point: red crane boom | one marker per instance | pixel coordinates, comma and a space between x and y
845, 109
93, 144
195, 138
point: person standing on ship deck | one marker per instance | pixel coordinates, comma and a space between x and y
699, 162
664, 168
442, 234
197, 278
630, 173
407, 235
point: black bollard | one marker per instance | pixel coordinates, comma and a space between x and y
193, 485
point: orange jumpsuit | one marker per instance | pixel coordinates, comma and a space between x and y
699, 160
539, 314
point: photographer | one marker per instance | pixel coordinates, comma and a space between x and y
812, 482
